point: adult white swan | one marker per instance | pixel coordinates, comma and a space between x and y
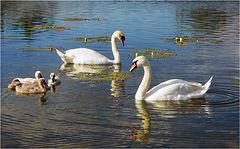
89, 56
174, 89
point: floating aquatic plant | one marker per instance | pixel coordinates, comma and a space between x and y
152, 52
50, 48
235, 81
91, 39
34, 48
49, 27
103, 76
140, 77
79, 19
182, 40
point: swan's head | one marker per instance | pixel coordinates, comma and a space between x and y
120, 36
38, 75
139, 61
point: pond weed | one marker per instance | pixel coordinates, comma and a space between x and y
152, 52
91, 39
183, 40
79, 19
50, 27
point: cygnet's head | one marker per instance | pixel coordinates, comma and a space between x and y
15, 80
139, 61
120, 36
43, 82
52, 76
38, 75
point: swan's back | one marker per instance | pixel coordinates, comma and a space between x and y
87, 56
177, 89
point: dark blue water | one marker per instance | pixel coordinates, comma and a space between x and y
83, 112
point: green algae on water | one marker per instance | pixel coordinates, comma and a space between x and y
187, 39
34, 48
50, 48
104, 76
91, 39
49, 27
152, 52
79, 19
235, 81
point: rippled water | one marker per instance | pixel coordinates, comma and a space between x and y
87, 112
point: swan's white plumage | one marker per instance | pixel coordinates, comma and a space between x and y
54, 80
39, 87
38, 75
89, 56
84, 56
174, 89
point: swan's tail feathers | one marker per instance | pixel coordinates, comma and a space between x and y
64, 58
207, 85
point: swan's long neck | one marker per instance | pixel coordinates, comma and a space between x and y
143, 87
116, 54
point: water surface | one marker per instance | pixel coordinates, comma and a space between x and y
88, 112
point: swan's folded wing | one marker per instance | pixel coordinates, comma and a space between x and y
173, 81
87, 56
174, 89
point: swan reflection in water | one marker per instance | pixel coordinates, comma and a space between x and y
165, 110
98, 73
42, 96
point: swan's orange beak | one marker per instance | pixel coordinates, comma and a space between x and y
134, 66
122, 40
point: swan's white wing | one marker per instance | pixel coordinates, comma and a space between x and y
175, 89
172, 81
87, 56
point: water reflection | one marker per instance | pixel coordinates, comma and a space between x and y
205, 19
165, 110
141, 134
117, 89
42, 97
99, 73
25, 15
72, 70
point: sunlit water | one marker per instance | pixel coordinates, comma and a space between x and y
85, 112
